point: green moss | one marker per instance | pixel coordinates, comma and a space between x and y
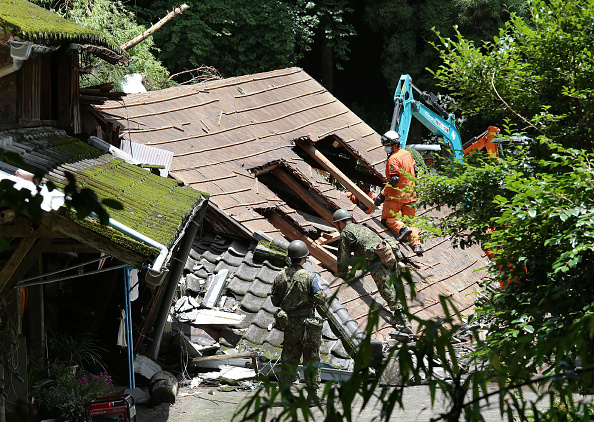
154, 206
33, 23
117, 237
269, 251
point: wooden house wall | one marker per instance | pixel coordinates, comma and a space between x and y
44, 91
8, 90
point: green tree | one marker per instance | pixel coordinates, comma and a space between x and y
118, 25
537, 74
243, 37
407, 28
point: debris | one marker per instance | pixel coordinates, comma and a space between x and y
215, 289
229, 359
233, 374
145, 366
195, 350
213, 317
229, 374
185, 304
196, 335
163, 388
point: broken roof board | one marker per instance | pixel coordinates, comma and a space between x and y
220, 130
154, 206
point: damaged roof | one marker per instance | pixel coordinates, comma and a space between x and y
227, 135
154, 206
245, 140
24, 21
251, 273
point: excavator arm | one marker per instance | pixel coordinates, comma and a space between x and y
483, 141
439, 122
436, 119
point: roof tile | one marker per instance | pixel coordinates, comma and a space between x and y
252, 303
239, 286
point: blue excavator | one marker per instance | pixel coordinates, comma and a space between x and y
437, 120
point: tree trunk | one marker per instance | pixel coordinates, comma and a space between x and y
163, 388
327, 66
154, 28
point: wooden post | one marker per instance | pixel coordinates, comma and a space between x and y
335, 171
7, 275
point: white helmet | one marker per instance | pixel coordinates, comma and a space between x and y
391, 137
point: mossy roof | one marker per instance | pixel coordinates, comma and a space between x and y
155, 206
30, 22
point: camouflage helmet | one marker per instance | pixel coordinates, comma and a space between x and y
391, 137
340, 215
297, 249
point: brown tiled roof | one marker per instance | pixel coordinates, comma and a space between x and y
220, 130
225, 133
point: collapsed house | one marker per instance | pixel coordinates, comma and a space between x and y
271, 150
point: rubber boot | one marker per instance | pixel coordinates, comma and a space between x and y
405, 232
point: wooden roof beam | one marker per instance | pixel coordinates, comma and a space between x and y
22, 227
303, 193
336, 173
317, 251
25, 255
95, 240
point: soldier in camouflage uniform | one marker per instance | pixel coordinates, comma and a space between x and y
361, 241
297, 292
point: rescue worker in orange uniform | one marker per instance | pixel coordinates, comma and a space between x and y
398, 196
365, 188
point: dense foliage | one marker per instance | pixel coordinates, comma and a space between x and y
532, 207
407, 28
118, 25
242, 37
537, 73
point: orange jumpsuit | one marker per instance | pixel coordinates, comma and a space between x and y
400, 199
355, 201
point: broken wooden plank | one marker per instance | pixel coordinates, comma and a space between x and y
240, 355
303, 192
228, 358
337, 173
325, 241
212, 317
292, 233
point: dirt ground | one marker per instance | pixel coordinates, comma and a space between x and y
208, 404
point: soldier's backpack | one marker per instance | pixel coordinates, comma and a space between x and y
388, 252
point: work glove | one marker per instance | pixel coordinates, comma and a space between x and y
363, 206
379, 200
394, 180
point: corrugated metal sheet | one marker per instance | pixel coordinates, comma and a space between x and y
149, 155
222, 132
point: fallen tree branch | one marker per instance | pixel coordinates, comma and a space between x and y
178, 10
